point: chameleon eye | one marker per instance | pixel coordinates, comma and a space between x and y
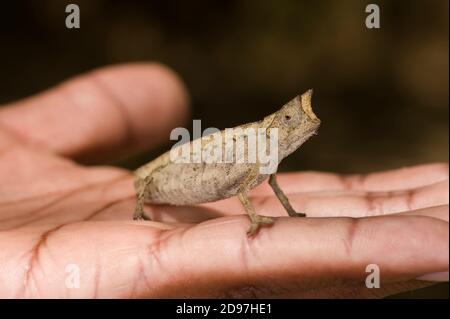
290, 119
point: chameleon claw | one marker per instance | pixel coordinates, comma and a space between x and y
257, 222
296, 214
141, 216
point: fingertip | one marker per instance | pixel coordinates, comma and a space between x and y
154, 100
154, 96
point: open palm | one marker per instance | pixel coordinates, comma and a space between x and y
57, 216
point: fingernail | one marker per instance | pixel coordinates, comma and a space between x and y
437, 276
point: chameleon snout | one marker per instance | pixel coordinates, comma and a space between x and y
307, 107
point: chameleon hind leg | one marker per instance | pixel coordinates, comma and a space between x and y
256, 220
283, 198
141, 187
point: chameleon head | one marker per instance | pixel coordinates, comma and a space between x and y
296, 123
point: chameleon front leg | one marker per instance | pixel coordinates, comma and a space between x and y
283, 198
255, 219
141, 187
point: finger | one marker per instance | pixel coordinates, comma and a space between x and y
200, 213
103, 114
399, 179
315, 204
217, 259
335, 203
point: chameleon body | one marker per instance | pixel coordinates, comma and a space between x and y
163, 181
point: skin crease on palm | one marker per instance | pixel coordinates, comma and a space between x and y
55, 212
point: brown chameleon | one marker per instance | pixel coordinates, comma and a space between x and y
163, 181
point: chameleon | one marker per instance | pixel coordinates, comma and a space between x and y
163, 181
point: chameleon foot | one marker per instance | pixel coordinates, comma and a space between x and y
283, 198
256, 222
293, 213
143, 217
140, 216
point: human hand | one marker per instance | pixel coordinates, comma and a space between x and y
55, 212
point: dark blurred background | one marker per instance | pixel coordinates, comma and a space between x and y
382, 94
